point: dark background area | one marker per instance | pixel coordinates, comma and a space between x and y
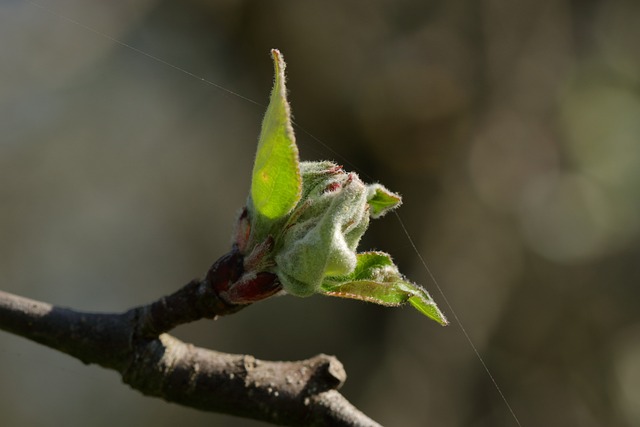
511, 129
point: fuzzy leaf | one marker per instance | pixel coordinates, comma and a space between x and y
324, 230
428, 308
276, 182
382, 200
376, 279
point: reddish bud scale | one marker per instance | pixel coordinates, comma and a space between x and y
332, 187
253, 289
349, 178
258, 259
242, 231
227, 270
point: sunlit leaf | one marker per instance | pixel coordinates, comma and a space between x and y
382, 200
376, 279
428, 308
276, 182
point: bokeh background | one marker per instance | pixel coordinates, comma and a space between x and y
512, 129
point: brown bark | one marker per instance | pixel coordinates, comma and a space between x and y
135, 343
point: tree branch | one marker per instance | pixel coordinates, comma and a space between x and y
135, 344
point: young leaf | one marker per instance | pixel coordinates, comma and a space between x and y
382, 200
376, 279
303, 222
276, 182
429, 308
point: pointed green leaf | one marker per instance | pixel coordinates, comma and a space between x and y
369, 291
382, 200
429, 309
276, 182
376, 279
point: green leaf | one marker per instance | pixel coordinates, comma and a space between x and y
376, 279
382, 200
368, 262
429, 309
276, 182
369, 291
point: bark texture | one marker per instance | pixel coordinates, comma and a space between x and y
135, 343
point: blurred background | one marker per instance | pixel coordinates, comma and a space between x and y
512, 129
